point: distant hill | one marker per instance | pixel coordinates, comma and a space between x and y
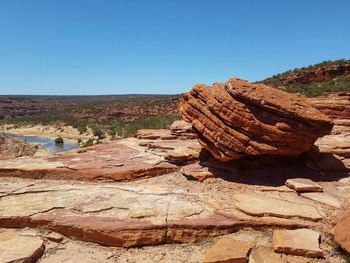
314, 80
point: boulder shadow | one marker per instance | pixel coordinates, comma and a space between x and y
269, 170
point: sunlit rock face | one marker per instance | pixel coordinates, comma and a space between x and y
237, 118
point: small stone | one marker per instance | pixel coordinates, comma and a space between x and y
303, 185
227, 250
17, 248
54, 237
300, 242
265, 255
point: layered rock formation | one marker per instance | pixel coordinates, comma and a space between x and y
12, 148
237, 119
335, 105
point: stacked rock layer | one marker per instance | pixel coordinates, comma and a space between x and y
237, 119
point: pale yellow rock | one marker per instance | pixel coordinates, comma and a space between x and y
323, 198
300, 242
227, 250
303, 185
265, 205
17, 248
54, 237
265, 255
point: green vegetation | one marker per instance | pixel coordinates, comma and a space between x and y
313, 88
59, 141
318, 88
117, 117
88, 143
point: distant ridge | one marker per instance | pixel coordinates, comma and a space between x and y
314, 80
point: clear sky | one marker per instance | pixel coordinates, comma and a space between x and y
68, 47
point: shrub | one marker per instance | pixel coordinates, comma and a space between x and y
88, 143
82, 129
99, 133
59, 141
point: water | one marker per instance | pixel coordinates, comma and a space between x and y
47, 143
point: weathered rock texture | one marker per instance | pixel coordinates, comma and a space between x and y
17, 248
142, 213
335, 105
12, 148
183, 130
301, 242
342, 231
236, 119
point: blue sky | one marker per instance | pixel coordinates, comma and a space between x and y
69, 47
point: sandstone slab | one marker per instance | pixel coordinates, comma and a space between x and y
17, 248
265, 255
113, 161
265, 205
125, 214
342, 230
227, 250
182, 130
303, 185
323, 198
236, 119
153, 134
335, 105
300, 242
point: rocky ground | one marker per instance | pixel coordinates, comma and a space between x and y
161, 197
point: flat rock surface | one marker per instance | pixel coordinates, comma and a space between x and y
114, 161
342, 230
323, 198
227, 250
165, 213
266, 255
146, 212
18, 248
287, 206
301, 242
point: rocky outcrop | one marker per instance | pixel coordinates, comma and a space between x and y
318, 74
182, 130
335, 105
11, 148
147, 212
236, 119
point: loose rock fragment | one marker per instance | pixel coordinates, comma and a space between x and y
300, 242
17, 248
303, 185
227, 250
265, 255
342, 231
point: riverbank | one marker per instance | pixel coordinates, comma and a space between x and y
47, 131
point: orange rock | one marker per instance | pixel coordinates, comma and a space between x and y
342, 231
227, 250
236, 119
335, 105
300, 242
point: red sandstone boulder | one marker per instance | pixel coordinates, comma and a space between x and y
237, 118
